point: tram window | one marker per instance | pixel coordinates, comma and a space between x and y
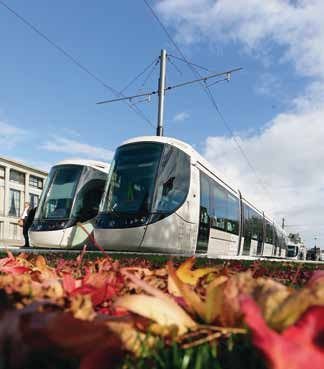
133, 174
256, 225
284, 242
248, 227
89, 194
276, 241
224, 209
219, 207
233, 214
279, 244
269, 233
205, 193
173, 180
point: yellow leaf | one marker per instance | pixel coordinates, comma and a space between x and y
163, 312
269, 294
291, 309
209, 309
214, 299
187, 275
193, 300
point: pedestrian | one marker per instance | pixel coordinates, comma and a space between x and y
23, 222
29, 222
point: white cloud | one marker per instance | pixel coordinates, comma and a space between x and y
297, 26
288, 155
71, 132
10, 135
269, 85
68, 146
180, 117
38, 164
288, 152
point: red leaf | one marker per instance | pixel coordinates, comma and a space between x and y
11, 265
298, 347
99, 295
317, 277
69, 283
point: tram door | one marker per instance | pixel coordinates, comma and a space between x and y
203, 231
247, 230
204, 218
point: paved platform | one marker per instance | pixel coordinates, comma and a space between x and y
44, 251
11, 243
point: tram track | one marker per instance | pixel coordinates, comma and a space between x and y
42, 251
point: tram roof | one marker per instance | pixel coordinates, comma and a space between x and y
200, 159
195, 156
191, 152
95, 164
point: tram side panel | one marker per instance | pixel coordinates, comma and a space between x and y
267, 249
71, 237
177, 232
47, 239
170, 235
254, 247
222, 243
76, 237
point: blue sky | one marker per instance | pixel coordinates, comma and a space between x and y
47, 104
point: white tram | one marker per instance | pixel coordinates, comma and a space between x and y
296, 251
72, 194
161, 195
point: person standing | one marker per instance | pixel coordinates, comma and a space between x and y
24, 223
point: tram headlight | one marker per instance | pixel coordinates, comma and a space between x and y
50, 225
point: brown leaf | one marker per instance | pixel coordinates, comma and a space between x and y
35, 330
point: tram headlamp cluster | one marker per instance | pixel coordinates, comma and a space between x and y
119, 220
49, 225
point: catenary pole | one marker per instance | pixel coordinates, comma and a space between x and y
162, 89
159, 129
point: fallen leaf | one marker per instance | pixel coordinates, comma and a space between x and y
298, 347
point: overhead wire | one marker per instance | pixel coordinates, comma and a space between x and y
174, 66
149, 75
187, 62
210, 96
76, 62
154, 62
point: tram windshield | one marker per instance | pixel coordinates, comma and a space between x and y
60, 190
147, 178
132, 178
71, 191
292, 251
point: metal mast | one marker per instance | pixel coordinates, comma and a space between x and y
159, 129
162, 89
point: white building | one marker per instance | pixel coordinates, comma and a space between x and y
19, 183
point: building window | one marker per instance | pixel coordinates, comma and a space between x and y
2, 202
16, 176
14, 203
33, 199
1, 230
2, 172
36, 182
14, 232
